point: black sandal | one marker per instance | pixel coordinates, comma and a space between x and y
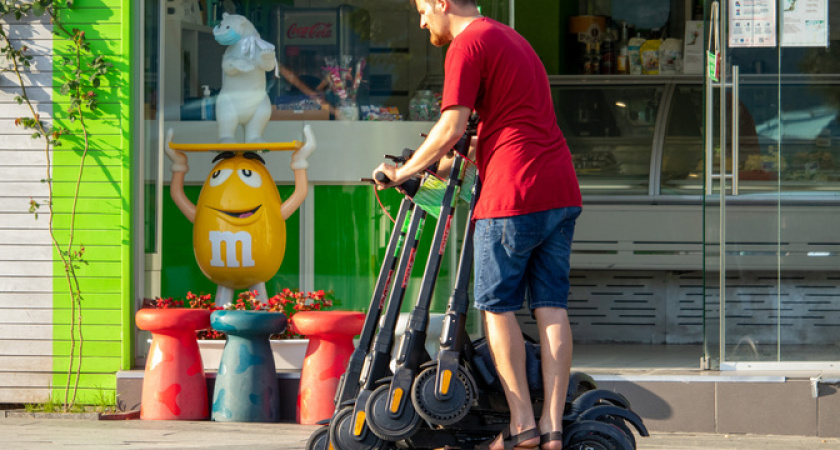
509, 441
550, 437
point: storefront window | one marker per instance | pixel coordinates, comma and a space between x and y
682, 151
610, 131
353, 60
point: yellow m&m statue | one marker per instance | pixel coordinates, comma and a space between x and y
239, 233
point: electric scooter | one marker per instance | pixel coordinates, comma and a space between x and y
390, 413
457, 411
349, 384
349, 430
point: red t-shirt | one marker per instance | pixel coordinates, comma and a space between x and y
523, 160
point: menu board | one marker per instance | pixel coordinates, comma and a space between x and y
752, 23
804, 23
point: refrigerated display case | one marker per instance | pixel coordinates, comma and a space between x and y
641, 138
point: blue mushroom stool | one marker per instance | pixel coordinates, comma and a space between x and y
246, 385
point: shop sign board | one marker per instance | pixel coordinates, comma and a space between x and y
752, 23
310, 28
805, 23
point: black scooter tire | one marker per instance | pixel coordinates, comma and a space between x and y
319, 439
594, 431
380, 421
591, 442
447, 412
341, 434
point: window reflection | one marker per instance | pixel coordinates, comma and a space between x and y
610, 131
682, 153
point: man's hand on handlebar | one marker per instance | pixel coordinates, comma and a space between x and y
390, 179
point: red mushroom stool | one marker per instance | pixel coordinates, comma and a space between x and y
174, 387
330, 336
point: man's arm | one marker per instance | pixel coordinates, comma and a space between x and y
443, 136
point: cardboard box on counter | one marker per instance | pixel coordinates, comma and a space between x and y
299, 114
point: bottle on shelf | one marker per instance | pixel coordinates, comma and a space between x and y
621, 60
634, 54
595, 67
587, 59
671, 57
649, 52
207, 107
608, 53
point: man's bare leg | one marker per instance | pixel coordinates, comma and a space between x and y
508, 350
556, 355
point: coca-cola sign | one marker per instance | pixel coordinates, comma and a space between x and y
310, 28
318, 30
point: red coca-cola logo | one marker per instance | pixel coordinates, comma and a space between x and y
318, 30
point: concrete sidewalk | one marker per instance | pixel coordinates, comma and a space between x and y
140, 434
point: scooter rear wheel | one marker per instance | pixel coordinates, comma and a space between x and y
319, 440
342, 437
383, 424
595, 432
592, 442
443, 412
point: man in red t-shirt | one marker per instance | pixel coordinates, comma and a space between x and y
530, 199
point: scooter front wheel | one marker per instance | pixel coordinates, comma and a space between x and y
319, 440
383, 423
591, 434
454, 407
344, 436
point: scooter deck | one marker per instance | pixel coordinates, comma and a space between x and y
237, 146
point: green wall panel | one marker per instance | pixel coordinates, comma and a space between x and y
75, 143
351, 236
536, 21
102, 348
91, 364
103, 174
105, 110
104, 94
180, 272
103, 189
103, 221
94, 206
93, 316
92, 333
93, 300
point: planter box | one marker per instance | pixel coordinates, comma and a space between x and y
288, 353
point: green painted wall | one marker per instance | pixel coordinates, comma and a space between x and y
180, 272
351, 233
103, 221
537, 21
351, 236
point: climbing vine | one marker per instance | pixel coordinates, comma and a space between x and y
82, 77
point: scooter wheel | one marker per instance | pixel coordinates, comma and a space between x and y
592, 442
591, 434
319, 440
385, 425
443, 412
342, 437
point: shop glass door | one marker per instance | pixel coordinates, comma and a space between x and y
771, 189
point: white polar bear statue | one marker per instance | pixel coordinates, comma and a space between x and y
243, 99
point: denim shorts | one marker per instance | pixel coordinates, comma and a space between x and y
519, 254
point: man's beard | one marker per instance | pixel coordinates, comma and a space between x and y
438, 40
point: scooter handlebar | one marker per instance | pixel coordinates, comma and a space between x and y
381, 177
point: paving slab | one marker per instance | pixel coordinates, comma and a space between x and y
24, 433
